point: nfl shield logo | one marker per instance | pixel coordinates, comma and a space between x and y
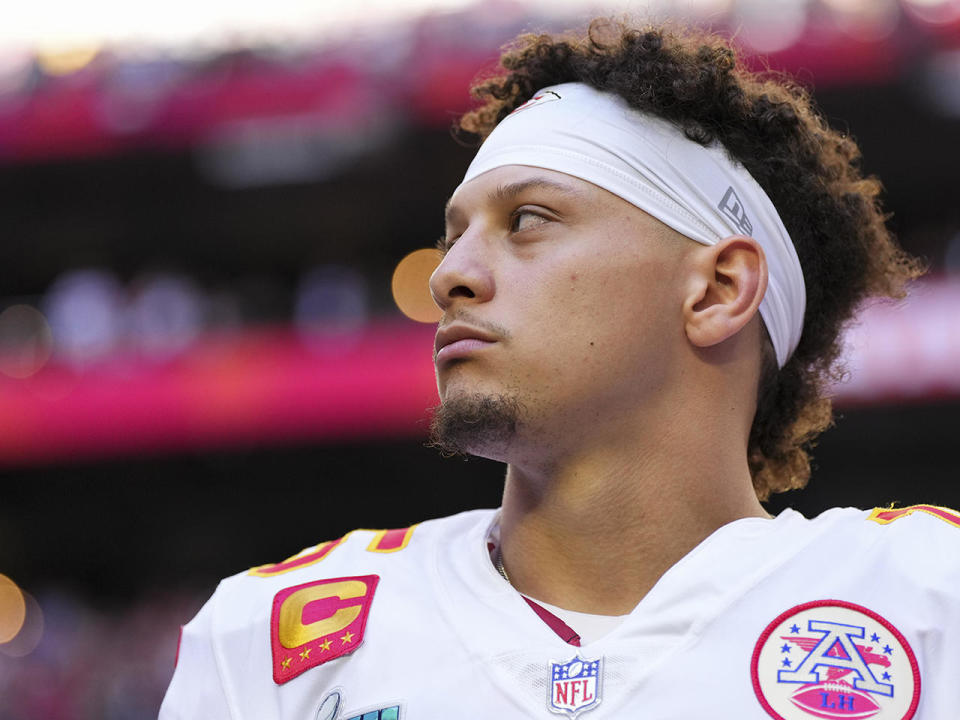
575, 686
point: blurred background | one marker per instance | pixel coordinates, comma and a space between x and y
202, 368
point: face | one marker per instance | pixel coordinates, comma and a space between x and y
558, 297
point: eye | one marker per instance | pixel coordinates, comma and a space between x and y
444, 244
525, 220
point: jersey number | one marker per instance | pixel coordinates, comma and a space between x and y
384, 541
885, 516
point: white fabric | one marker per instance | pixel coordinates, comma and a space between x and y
698, 191
447, 638
589, 627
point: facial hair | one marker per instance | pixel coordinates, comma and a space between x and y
475, 424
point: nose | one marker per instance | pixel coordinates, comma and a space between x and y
463, 274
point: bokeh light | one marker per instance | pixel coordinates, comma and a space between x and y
164, 315
85, 309
25, 341
935, 12
410, 285
57, 61
30, 631
13, 609
869, 20
332, 301
771, 26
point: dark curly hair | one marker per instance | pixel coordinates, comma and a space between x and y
697, 81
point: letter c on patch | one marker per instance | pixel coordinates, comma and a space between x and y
341, 599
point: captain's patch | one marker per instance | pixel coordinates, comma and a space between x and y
833, 659
318, 622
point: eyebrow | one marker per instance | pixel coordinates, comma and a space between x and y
512, 190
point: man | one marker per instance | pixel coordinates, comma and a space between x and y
645, 273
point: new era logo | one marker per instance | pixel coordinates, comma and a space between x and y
731, 206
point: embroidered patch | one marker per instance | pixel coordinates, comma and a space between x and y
833, 659
330, 706
575, 686
318, 622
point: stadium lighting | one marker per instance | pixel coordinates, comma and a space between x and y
58, 24
771, 26
410, 287
13, 609
25, 341
935, 12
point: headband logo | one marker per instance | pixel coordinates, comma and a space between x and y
539, 99
731, 206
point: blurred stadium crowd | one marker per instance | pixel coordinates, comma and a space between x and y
85, 662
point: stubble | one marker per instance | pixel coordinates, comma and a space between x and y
475, 424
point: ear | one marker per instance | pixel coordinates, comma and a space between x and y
727, 283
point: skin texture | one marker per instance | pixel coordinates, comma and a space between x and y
695, 80
630, 357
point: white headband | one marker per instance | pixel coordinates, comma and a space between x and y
698, 191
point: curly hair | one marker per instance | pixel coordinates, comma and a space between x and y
811, 173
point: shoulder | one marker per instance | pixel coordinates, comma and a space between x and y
362, 558
919, 518
281, 619
892, 522
368, 548
914, 523
918, 543
927, 536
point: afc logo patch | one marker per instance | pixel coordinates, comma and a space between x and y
834, 659
574, 686
317, 622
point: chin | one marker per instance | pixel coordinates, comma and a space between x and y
475, 423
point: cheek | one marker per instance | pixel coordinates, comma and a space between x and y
611, 317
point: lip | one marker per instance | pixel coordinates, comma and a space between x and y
454, 341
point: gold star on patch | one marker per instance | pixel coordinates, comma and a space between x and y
305, 655
325, 645
347, 637
286, 663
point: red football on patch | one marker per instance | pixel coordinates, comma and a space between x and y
835, 700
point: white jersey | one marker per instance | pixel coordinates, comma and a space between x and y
853, 614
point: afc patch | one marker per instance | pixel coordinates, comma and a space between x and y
574, 686
318, 622
834, 659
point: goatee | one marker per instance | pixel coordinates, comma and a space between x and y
475, 424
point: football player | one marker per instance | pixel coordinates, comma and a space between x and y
645, 273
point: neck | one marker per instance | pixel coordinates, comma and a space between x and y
594, 531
